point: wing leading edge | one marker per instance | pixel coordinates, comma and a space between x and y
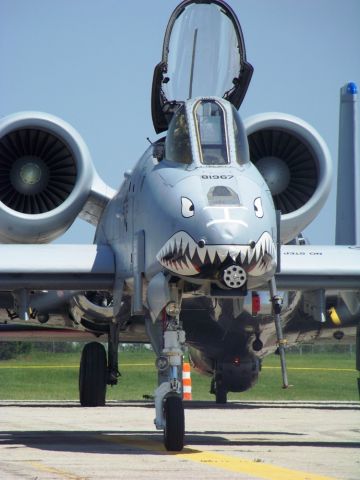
56, 267
82, 267
305, 267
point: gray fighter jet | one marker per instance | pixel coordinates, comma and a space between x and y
201, 247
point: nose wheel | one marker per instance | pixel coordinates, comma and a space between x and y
174, 428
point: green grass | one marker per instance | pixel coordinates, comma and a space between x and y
306, 384
56, 378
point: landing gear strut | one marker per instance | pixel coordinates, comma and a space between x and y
113, 345
218, 389
276, 303
168, 396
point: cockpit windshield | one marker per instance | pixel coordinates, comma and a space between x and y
210, 128
177, 143
204, 128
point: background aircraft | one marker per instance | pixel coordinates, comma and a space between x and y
93, 268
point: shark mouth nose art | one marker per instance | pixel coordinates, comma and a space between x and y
182, 255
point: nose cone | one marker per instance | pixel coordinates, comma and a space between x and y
225, 225
228, 233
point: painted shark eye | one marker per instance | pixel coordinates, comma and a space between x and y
259, 212
187, 207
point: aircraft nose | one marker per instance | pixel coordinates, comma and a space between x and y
227, 225
227, 233
223, 240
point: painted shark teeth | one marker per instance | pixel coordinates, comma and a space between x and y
211, 250
177, 253
202, 253
182, 255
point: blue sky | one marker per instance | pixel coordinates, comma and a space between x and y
91, 63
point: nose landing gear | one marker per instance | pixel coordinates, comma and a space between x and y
168, 396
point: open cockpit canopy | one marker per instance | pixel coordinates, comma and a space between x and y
203, 55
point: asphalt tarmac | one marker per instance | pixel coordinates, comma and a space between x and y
242, 440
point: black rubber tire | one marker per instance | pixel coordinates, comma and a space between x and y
174, 431
220, 395
93, 375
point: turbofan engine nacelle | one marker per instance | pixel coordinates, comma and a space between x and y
46, 176
295, 163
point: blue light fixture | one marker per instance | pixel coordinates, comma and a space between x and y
352, 88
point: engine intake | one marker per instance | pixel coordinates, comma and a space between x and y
46, 175
38, 171
288, 166
296, 165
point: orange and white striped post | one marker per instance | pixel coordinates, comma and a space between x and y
187, 394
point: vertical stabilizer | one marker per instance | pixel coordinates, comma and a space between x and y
348, 178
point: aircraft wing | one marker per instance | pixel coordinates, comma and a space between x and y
56, 267
86, 267
306, 267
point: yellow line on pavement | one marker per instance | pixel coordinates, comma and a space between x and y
74, 366
152, 365
256, 469
46, 468
37, 366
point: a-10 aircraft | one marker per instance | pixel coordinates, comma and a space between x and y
201, 248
